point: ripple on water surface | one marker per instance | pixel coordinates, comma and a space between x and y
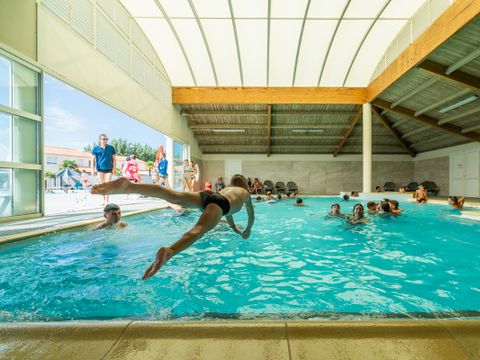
296, 262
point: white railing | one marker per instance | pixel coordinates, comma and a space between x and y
108, 26
414, 27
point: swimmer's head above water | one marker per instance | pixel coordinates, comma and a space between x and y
358, 210
335, 208
112, 213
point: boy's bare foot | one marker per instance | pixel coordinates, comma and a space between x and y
118, 186
161, 258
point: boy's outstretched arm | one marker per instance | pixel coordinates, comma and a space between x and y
251, 217
232, 224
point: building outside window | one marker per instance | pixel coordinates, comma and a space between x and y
20, 139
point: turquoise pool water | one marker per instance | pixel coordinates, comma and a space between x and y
297, 263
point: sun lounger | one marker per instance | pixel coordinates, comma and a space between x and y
291, 186
431, 187
389, 186
280, 187
268, 186
413, 186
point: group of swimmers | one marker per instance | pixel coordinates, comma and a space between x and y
226, 202
386, 206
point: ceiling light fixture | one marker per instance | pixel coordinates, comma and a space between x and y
459, 103
308, 130
229, 130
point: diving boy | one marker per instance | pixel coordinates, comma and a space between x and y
225, 203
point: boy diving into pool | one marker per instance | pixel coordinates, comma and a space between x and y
227, 202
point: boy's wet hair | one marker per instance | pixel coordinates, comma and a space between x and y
336, 204
279, 197
370, 204
239, 180
385, 206
394, 202
454, 199
258, 198
299, 201
110, 207
346, 197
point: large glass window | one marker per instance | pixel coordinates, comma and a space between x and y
5, 80
25, 89
25, 143
5, 137
19, 140
6, 193
25, 192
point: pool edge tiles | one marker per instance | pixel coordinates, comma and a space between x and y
57, 228
449, 339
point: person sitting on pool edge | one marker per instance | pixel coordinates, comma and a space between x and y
421, 194
113, 216
299, 202
456, 202
358, 215
226, 203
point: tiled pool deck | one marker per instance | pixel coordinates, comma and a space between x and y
394, 339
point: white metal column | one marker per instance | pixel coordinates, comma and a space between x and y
367, 147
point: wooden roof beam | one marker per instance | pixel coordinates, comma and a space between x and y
269, 122
470, 129
459, 14
415, 91
429, 140
261, 113
442, 101
200, 127
457, 77
394, 132
273, 137
268, 95
425, 120
463, 61
422, 128
353, 122
459, 116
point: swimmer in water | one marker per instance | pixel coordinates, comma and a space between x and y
113, 216
225, 203
335, 211
372, 207
456, 202
299, 202
358, 215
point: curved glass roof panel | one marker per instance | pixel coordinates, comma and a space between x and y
252, 43
271, 42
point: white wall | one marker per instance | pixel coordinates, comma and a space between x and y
65, 54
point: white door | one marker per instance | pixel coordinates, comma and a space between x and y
232, 167
457, 173
472, 173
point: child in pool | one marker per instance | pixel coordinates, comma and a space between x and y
113, 217
225, 203
456, 202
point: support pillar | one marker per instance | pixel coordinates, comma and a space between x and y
367, 147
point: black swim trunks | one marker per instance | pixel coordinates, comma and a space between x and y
216, 199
